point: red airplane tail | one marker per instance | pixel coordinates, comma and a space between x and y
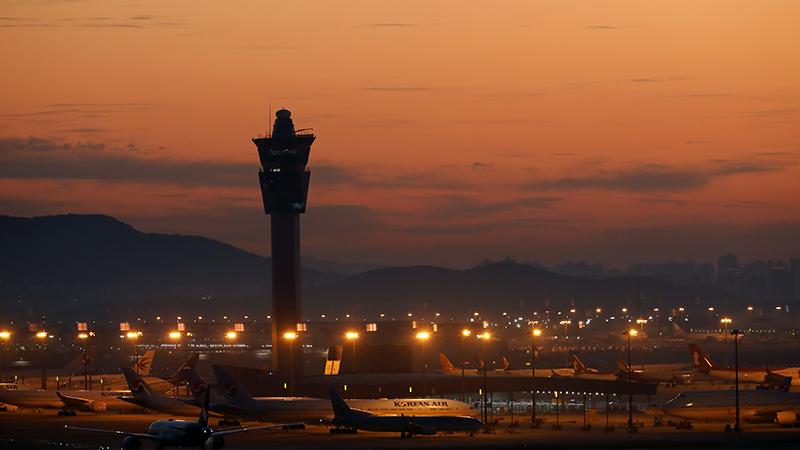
700, 359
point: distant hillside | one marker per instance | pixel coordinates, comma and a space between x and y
497, 287
92, 266
81, 262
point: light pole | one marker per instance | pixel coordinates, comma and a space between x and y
85, 358
290, 336
133, 336
641, 323
484, 337
5, 336
423, 337
352, 336
736, 334
726, 321
534, 334
465, 334
631, 333
42, 336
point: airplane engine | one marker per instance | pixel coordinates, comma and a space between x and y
786, 418
214, 443
131, 443
98, 407
428, 430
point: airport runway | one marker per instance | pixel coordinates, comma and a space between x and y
46, 431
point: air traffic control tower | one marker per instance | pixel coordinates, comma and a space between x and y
284, 188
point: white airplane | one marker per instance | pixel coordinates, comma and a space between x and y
654, 374
181, 433
579, 370
407, 425
779, 407
157, 384
68, 402
237, 403
72, 375
768, 375
142, 395
449, 369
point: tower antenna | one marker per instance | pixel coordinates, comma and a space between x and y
269, 117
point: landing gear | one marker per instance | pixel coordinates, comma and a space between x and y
684, 425
66, 412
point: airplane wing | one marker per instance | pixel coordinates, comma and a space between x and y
75, 402
117, 432
284, 426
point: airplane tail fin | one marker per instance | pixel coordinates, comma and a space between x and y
176, 378
699, 359
447, 366
503, 363
340, 407
197, 385
578, 365
231, 388
145, 363
138, 386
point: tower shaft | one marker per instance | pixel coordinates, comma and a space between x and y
284, 188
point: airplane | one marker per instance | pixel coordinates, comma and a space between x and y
408, 426
157, 384
579, 370
239, 404
143, 395
768, 376
755, 406
449, 369
668, 377
182, 433
68, 402
73, 375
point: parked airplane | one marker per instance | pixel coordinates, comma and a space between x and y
157, 384
703, 364
71, 375
782, 408
449, 369
142, 395
71, 401
239, 404
68, 402
579, 370
181, 433
407, 426
668, 376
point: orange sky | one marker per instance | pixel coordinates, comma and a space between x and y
448, 131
